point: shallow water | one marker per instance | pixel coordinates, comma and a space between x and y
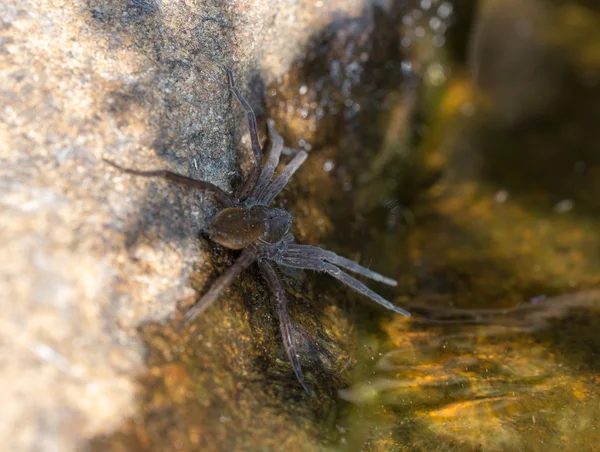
502, 276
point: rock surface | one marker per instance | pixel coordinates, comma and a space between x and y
474, 193
88, 254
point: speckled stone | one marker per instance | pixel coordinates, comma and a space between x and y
88, 254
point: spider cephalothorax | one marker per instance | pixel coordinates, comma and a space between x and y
247, 223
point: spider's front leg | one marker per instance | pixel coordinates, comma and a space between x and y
306, 261
274, 282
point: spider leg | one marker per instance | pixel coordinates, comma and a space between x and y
249, 114
281, 181
220, 196
247, 257
252, 178
270, 164
330, 269
288, 238
274, 282
313, 252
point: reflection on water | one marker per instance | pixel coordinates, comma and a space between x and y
484, 379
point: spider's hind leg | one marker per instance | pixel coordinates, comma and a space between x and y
252, 177
283, 178
247, 257
220, 196
270, 164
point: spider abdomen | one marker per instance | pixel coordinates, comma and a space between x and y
237, 227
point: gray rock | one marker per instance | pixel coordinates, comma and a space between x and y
88, 254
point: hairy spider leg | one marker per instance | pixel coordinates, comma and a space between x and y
281, 181
250, 181
330, 269
247, 257
220, 196
256, 149
274, 282
313, 252
270, 163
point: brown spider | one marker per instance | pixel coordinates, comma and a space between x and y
247, 223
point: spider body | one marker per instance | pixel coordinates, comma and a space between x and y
238, 227
247, 223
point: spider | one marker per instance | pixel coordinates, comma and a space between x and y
247, 223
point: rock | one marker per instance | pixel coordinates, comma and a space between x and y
90, 254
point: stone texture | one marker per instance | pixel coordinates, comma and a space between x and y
88, 254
